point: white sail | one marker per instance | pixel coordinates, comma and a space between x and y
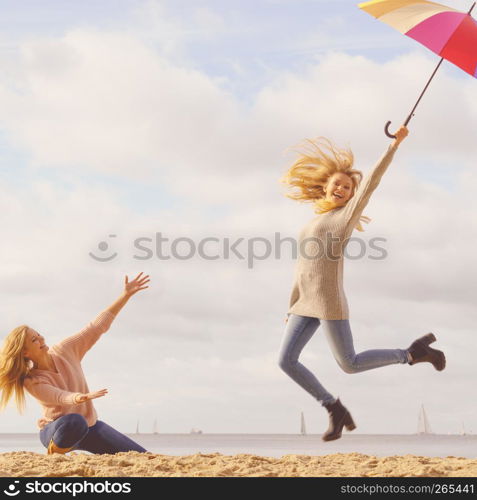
154, 430
137, 427
423, 425
303, 426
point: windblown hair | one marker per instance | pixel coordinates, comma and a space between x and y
14, 367
318, 160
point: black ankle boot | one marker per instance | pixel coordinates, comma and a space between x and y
421, 352
339, 417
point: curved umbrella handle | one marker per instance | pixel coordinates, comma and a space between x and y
386, 130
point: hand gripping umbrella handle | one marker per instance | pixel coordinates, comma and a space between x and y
386, 127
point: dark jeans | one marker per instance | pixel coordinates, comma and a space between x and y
72, 431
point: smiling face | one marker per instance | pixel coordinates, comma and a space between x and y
34, 346
339, 188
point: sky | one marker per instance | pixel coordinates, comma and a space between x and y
122, 122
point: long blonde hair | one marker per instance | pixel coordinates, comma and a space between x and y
318, 160
14, 367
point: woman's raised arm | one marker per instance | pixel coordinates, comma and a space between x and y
82, 341
355, 206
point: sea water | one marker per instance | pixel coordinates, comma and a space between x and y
277, 445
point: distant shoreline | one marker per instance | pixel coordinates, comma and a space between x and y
277, 445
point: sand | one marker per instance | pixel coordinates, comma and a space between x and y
133, 464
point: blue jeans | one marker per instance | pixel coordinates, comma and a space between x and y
72, 431
299, 331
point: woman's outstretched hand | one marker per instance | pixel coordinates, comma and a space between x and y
401, 134
132, 287
91, 395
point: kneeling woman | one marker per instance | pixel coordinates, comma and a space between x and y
55, 378
329, 180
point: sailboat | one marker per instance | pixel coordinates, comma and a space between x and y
137, 427
423, 425
303, 427
154, 430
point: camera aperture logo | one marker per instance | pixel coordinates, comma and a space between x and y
103, 246
12, 489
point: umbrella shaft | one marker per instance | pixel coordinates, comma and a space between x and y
422, 93
473, 5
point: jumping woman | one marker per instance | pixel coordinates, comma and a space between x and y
55, 378
324, 175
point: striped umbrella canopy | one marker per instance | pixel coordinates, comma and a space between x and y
450, 33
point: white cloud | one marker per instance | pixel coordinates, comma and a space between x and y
112, 105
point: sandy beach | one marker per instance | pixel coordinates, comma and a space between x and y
132, 464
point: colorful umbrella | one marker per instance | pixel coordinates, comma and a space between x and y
447, 32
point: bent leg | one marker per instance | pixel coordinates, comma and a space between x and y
298, 332
338, 333
102, 438
66, 431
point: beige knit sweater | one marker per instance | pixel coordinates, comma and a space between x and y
318, 282
56, 391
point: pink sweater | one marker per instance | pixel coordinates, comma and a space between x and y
56, 392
